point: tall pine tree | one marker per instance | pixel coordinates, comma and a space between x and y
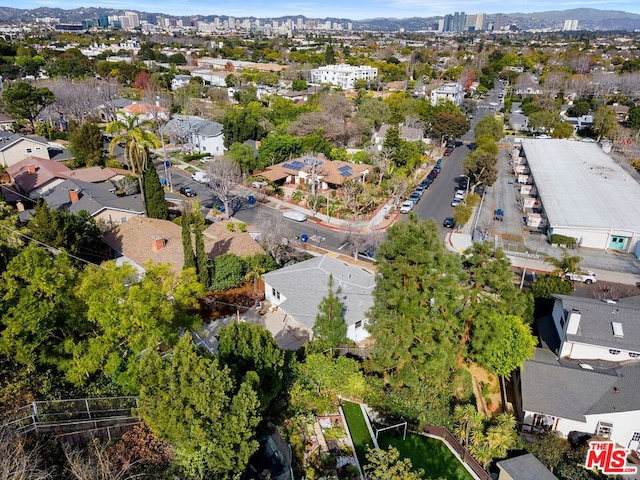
187, 245
197, 221
330, 330
154, 194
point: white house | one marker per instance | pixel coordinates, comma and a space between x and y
343, 76
180, 81
565, 397
589, 329
449, 92
207, 137
298, 290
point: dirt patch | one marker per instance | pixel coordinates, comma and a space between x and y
228, 302
486, 388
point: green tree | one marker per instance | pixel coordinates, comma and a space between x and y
467, 421
75, 233
248, 348
605, 122
22, 100
299, 84
450, 125
634, 119
329, 55
244, 156
86, 145
546, 286
229, 272
481, 167
329, 329
202, 259
414, 318
562, 130
39, 310
462, 214
374, 111
387, 465
489, 125
190, 400
248, 123
71, 64
502, 343
126, 314
549, 449
154, 194
566, 264
187, 243
256, 266
138, 138
543, 120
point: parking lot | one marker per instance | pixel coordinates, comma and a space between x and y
514, 236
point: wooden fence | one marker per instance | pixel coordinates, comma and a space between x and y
465, 456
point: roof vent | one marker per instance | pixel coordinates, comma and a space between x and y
617, 329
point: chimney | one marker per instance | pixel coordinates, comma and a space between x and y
74, 195
574, 322
157, 244
31, 169
20, 206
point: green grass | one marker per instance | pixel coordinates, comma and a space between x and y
432, 455
358, 429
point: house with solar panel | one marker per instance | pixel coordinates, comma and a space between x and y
330, 174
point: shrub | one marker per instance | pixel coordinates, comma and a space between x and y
563, 240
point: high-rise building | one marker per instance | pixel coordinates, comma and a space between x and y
130, 21
457, 22
479, 21
570, 26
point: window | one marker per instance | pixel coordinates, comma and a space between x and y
358, 324
604, 429
562, 322
635, 437
634, 354
613, 351
273, 292
29, 150
278, 295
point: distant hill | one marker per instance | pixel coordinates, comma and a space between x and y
588, 18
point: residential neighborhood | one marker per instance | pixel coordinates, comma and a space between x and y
303, 248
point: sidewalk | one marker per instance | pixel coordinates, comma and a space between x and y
459, 241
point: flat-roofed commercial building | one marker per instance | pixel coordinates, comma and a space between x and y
585, 194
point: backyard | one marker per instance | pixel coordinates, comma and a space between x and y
430, 454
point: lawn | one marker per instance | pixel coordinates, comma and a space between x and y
432, 455
358, 429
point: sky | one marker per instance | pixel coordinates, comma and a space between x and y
353, 9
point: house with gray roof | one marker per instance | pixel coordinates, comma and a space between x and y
408, 134
524, 467
596, 331
98, 199
298, 290
201, 135
566, 396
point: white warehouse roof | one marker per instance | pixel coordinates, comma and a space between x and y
581, 186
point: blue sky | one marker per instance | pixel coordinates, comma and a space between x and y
354, 9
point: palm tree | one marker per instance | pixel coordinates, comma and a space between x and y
467, 420
138, 138
566, 264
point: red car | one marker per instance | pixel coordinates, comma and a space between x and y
448, 151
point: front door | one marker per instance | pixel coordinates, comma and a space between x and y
617, 243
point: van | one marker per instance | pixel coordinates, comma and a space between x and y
201, 177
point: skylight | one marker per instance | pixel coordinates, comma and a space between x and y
617, 329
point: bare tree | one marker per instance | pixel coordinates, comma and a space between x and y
314, 168
17, 461
384, 163
224, 175
486, 228
398, 188
612, 291
106, 92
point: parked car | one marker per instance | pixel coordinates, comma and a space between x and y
406, 206
201, 177
414, 197
367, 255
584, 277
259, 184
456, 201
447, 151
426, 182
206, 159
293, 215
188, 192
448, 222
459, 194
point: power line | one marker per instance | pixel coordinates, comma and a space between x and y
52, 249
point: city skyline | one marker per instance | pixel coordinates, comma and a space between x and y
357, 10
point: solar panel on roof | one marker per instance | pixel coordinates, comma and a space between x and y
346, 170
295, 165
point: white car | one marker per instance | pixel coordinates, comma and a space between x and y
585, 277
406, 206
259, 184
456, 201
293, 215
